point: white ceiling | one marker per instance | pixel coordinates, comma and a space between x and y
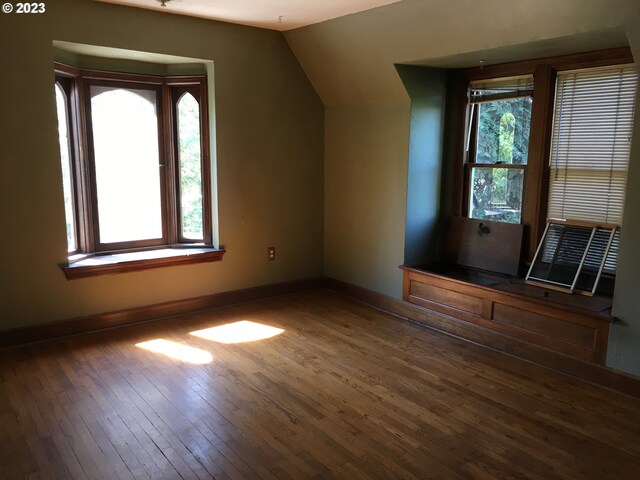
273, 14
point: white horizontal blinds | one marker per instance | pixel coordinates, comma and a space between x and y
502, 88
590, 144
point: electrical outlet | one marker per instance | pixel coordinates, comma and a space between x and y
271, 253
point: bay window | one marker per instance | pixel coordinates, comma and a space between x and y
135, 162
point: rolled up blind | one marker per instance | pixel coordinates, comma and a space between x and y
590, 146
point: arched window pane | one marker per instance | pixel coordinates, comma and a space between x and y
65, 158
125, 142
190, 166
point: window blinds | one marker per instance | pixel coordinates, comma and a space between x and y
590, 144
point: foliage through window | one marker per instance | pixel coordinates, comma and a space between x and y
559, 151
136, 172
190, 161
497, 148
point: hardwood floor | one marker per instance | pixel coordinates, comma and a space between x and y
344, 392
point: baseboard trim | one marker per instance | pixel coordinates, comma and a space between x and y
589, 372
130, 316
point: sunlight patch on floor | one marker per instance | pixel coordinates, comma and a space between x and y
177, 351
238, 332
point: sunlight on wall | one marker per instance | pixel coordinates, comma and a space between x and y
238, 332
177, 351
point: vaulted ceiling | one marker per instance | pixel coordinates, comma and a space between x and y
351, 60
273, 14
348, 48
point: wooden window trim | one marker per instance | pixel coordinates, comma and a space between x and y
470, 153
67, 87
598, 58
536, 187
125, 261
196, 86
544, 70
90, 173
76, 84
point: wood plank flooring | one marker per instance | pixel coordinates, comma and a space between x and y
344, 392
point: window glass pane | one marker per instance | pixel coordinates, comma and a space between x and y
65, 158
125, 140
496, 194
189, 158
503, 131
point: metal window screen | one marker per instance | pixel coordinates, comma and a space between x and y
571, 257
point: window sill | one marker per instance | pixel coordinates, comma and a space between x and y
81, 266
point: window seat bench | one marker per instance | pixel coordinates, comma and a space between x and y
573, 325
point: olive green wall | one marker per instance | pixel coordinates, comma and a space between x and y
269, 161
351, 63
365, 198
287, 175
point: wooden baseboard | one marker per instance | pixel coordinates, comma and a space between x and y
129, 316
586, 371
590, 372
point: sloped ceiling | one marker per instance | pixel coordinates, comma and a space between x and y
273, 14
351, 59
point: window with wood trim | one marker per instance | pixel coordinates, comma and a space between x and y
578, 144
65, 123
497, 147
135, 160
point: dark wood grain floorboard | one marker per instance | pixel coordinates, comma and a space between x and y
346, 392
